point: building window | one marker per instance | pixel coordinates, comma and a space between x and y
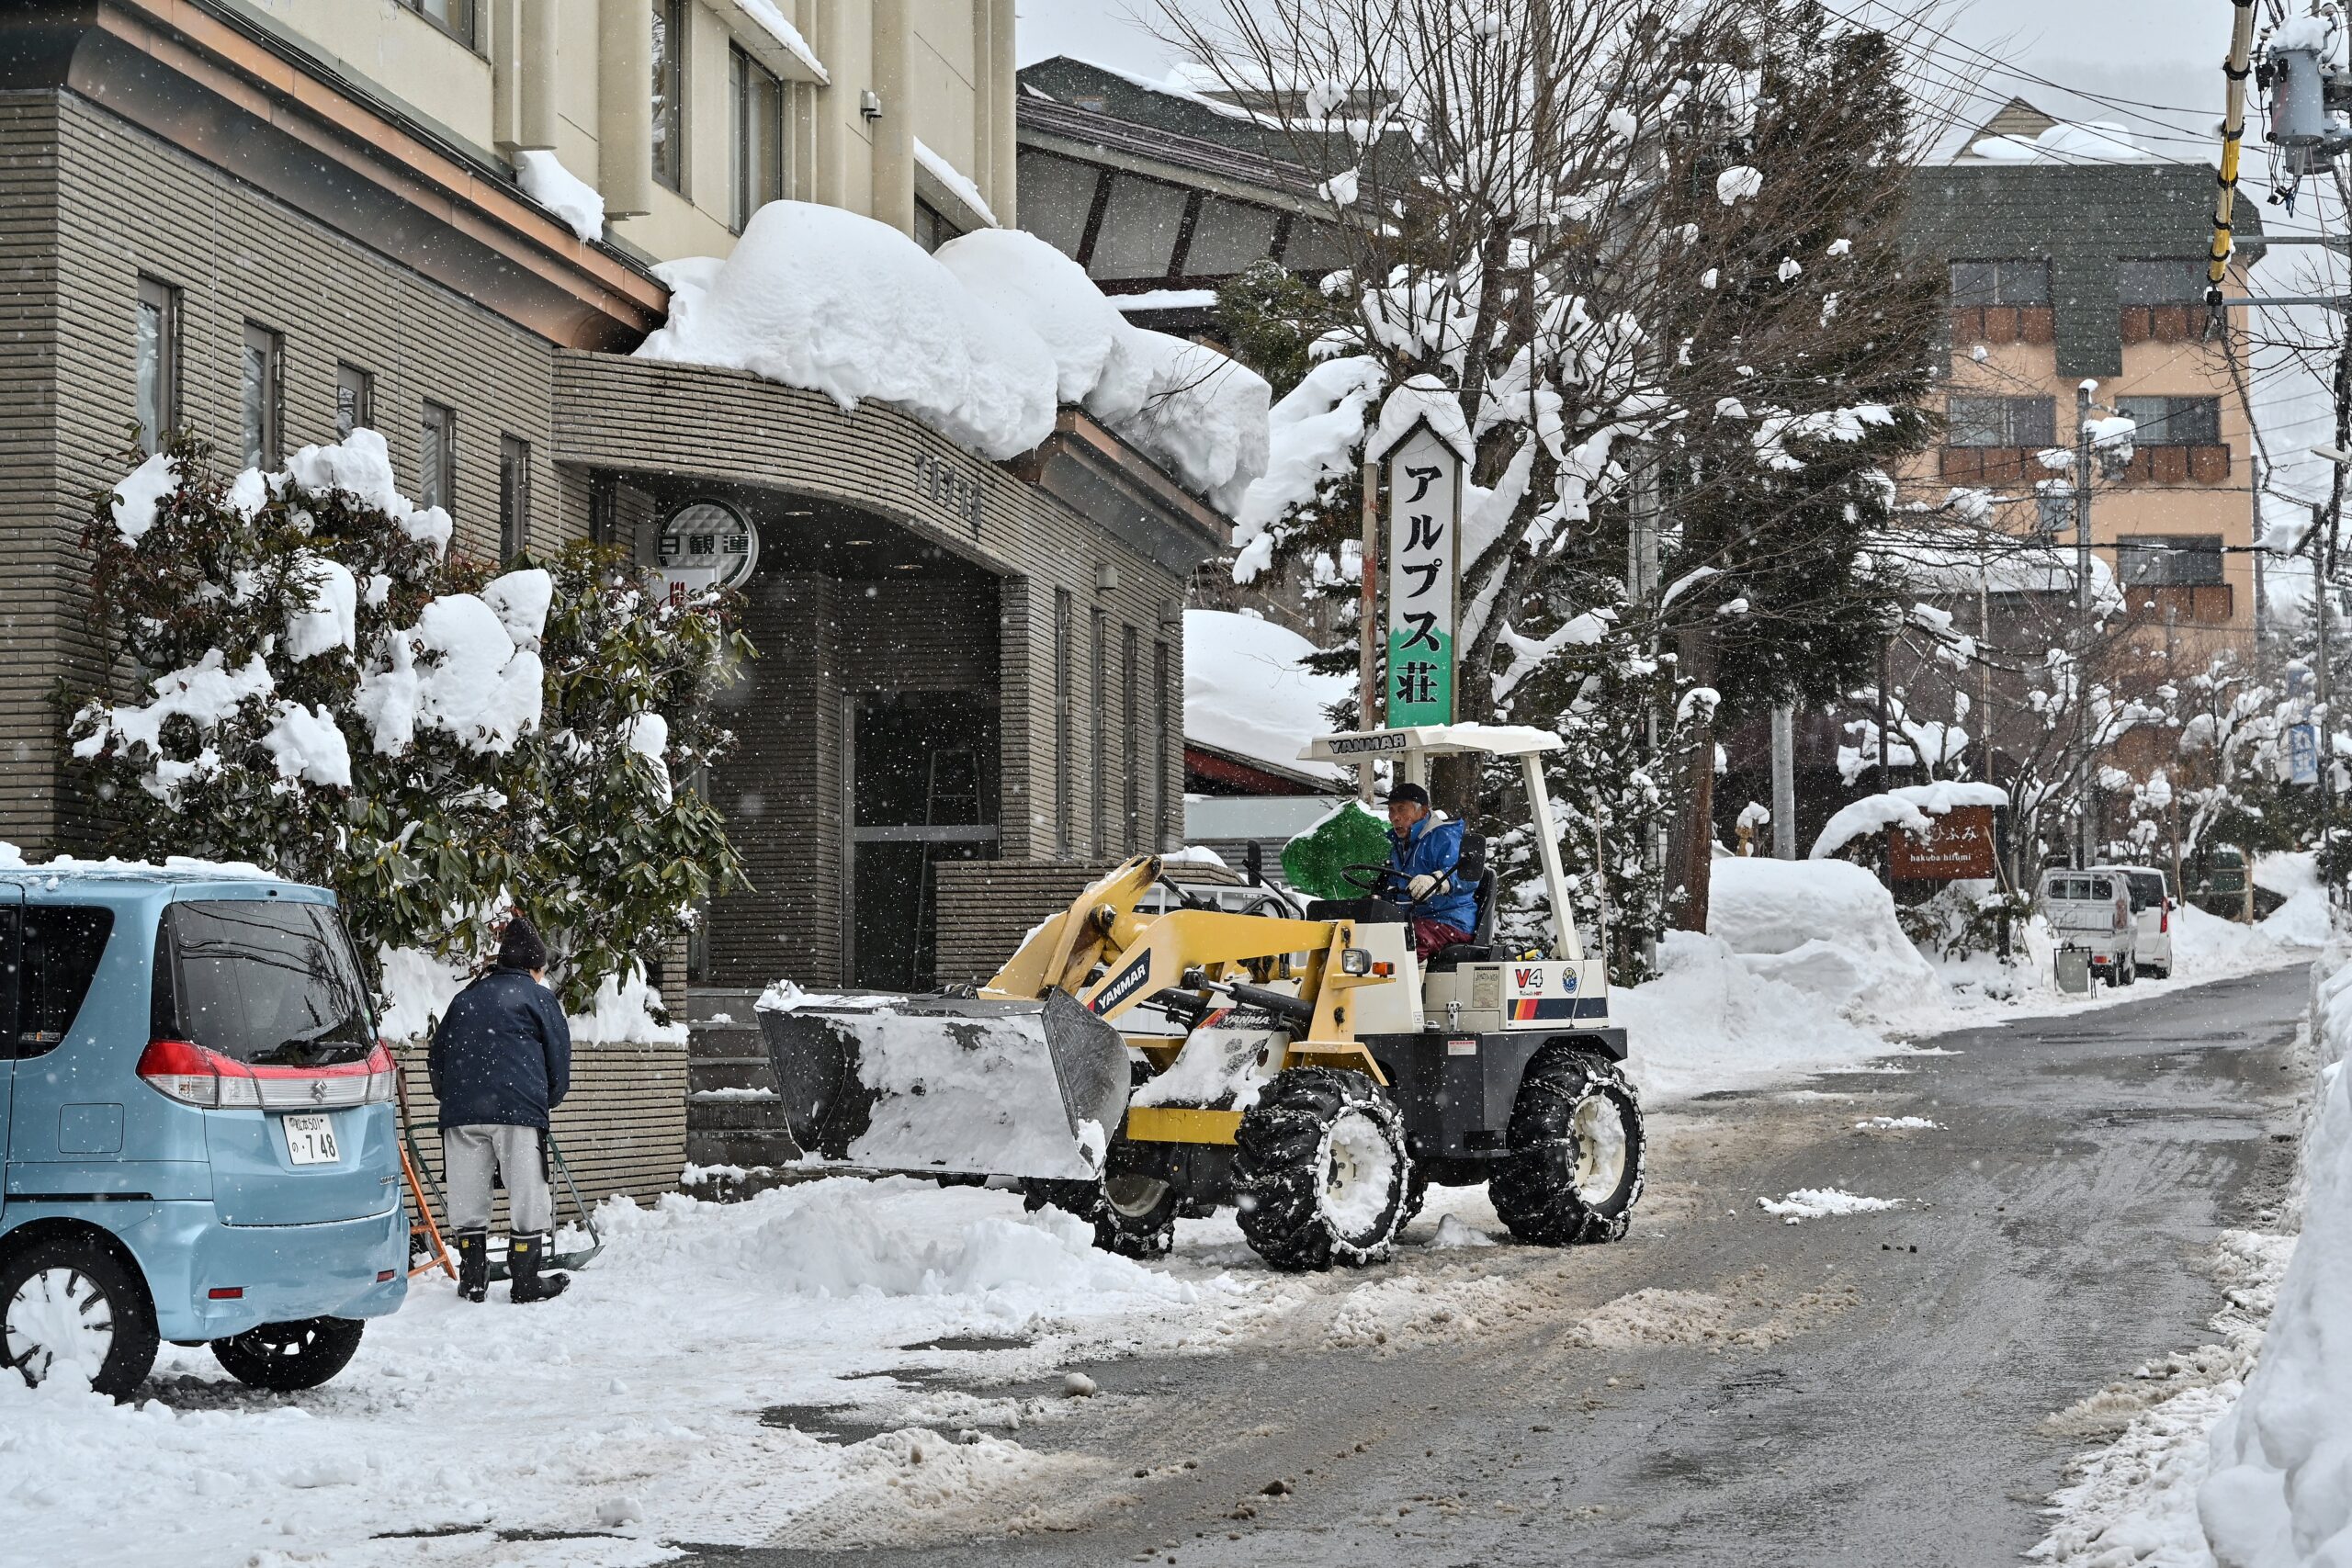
932, 228
354, 401
157, 371
670, 93
2164, 559
2168, 280
756, 108
454, 18
2002, 422
261, 393
1099, 702
1130, 701
2010, 282
2053, 507
1064, 837
2173, 421
436, 458
514, 496
1163, 724
1139, 229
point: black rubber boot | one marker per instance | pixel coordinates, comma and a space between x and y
524, 1256
473, 1264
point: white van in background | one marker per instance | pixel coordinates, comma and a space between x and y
2152, 907
2092, 909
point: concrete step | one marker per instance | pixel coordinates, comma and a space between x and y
749, 1148
730, 1072
734, 1115
728, 1041
705, 1005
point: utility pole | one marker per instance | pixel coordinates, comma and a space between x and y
2082, 623
2323, 586
1367, 615
1784, 782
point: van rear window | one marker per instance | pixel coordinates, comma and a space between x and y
62, 945
264, 982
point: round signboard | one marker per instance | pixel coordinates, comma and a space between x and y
706, 542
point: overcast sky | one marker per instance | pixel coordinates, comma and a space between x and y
2161, 52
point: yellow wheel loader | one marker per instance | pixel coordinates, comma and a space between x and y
1312, 1072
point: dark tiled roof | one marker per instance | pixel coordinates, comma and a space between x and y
1069, 80
2083, 217
1098, 129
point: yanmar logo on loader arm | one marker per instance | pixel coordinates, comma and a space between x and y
1122, 986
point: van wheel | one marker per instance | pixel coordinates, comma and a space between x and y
289, 1356
68, 1304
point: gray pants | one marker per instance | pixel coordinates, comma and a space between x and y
467, 1156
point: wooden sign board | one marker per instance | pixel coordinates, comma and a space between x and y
1956, 847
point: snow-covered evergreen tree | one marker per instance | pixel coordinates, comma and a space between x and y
311, 683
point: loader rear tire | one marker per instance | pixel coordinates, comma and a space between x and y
1574, 1172
1320, 1171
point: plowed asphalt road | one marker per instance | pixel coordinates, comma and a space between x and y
1722, 1388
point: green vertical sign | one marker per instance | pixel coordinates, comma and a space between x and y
1424, 576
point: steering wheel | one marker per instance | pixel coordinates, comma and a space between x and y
1381, 875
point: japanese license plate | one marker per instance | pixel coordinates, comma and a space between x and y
310, 1140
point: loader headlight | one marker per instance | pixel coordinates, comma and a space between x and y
1355, 960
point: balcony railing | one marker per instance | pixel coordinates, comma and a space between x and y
2163, 324
2191, 604
2004, 324
2203, 465
2170, 464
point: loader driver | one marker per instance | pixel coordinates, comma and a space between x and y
1427, 887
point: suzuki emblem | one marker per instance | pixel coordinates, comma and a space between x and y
318, 1091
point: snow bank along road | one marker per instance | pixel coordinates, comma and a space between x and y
1729, 1385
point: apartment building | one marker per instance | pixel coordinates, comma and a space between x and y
272, 221
2068, 265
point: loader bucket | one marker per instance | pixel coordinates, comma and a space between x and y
951, 1085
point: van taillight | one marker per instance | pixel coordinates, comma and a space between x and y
189, 1073
383, 1075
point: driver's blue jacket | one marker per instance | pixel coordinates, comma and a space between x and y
1434, 847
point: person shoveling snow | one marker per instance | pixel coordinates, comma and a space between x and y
500, 1062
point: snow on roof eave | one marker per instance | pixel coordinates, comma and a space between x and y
1308, 783
776, 40
1166, 490
951, 187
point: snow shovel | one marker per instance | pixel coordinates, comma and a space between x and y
943, 1085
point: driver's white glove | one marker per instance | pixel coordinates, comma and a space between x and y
1422, 886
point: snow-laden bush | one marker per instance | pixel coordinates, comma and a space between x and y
308, 679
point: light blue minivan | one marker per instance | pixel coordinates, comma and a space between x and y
202, 1139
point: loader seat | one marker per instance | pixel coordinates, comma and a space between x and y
1481, 948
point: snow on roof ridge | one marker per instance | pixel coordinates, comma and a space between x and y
965, 189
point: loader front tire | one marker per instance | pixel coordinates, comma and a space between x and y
1574, 1172
1133, 1215
1319, 1170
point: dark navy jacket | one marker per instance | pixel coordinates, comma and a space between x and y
502, 1056
1435, 846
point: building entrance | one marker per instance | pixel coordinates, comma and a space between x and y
923, 790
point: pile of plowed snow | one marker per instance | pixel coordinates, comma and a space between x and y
623, 1414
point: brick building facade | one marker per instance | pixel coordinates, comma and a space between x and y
199, 192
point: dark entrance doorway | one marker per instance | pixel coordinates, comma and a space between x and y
923, 788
